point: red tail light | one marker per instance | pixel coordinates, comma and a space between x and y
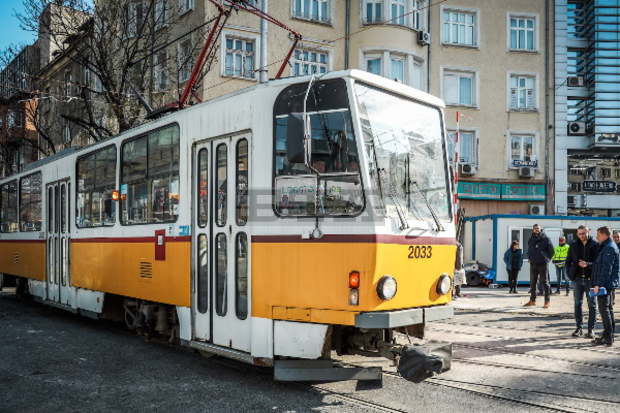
354, 279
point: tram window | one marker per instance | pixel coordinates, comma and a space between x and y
241, 276
203, 188
221, 272
221, 184
63, 208
334, 153
30, 203
50, 209
242, 182
203, 274
96, 177
8, 207
150, 178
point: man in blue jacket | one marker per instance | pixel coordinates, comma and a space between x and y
605, 273
539, 252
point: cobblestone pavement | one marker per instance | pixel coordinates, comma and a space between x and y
506, 359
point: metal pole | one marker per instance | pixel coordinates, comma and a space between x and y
263, 70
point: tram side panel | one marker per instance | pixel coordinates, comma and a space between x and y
23, 258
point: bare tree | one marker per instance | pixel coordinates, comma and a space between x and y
112, 50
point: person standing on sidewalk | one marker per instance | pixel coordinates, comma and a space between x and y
513, 258
581, 255
605, 274
616, 237
539, 252
559, 260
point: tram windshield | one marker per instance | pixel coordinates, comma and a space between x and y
334, 160
404, 144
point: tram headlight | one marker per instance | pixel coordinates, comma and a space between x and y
386, 288
444, 284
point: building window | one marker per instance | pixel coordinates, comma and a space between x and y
316, 10
373, 11
459, 27
307, 62
185, 6
374, 64
159, 71
397, 12
150, 178
96, 180
68, 82
522, 92
459, 88
521, 148
134, 13
418, 13
522, 33
467, 147
161, 13
397, 68
239, 59
30, 203
185, 60
15, 118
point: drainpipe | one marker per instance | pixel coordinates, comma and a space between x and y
550, 203
263, 75
428, 51
347, 32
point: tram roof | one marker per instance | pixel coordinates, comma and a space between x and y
356, 74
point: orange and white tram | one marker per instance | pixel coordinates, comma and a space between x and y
280, 222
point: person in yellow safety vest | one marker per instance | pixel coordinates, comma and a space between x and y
560, 253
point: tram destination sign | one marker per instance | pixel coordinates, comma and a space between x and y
598, 186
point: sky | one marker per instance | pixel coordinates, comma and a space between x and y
10, 33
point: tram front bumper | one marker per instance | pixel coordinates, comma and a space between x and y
402, 318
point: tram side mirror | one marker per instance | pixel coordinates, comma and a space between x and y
295, 138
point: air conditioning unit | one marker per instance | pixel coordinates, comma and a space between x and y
467, 169
424, 38
526, 172
575, 81
537, 209
576, 128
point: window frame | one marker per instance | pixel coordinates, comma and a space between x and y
461, 72
527, 16
17, 219
182, 65
116, 185
521, 133
385, 56
476, 26
199, 199
330, 10
120, 171
415, 17
535, 89
359, 148
247, 275
238, 204
476, 152
160, 71
244, 37
19, 201
318, 51
183, 9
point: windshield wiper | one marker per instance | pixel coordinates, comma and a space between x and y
399, 211
428, 205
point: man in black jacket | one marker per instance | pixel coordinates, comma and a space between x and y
539, 252
581, 256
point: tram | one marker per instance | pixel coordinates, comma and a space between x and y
276, 225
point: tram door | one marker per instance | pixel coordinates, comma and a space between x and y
57, 244
221, 242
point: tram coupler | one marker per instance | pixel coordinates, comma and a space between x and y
417, 363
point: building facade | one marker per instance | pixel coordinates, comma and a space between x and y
490, 65
587, 108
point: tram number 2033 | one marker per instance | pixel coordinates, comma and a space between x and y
420, 251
